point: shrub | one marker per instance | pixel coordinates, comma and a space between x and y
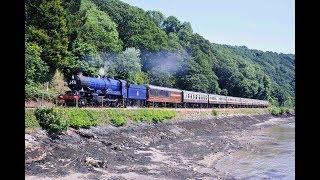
287, 110
80, 118
214, 112
276, 111
153, 115
118, 121
51, 120
35, 91
284, 110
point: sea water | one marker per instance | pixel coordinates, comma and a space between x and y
272, 158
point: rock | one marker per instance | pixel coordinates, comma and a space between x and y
39, 158
106, 143
96, 163
86, 134
116, 148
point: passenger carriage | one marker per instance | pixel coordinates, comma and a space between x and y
163, 97
216, 100
195, 99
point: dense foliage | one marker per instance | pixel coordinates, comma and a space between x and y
51, 120
123, 41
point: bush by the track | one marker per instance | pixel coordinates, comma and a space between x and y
51, 120
214, 112
276, 111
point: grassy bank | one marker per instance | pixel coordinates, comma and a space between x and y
84, 118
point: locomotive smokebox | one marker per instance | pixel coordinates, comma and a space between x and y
74, 82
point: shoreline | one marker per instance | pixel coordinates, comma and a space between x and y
175, 149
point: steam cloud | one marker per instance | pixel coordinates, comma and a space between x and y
163, 61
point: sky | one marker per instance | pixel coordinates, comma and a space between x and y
267, 25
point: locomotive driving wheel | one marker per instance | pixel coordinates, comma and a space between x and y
82, 102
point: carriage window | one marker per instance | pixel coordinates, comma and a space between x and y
166, 93
161, 93
151, 92
155, 92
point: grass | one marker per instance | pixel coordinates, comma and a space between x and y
53, 119
85, 118
277, 111
214, 112
30, 119
79, 118
118, 121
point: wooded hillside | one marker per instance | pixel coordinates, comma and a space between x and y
143, 47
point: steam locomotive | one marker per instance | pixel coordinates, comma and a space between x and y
108, 92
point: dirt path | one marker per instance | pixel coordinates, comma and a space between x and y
185, 149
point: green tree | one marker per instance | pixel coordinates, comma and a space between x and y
127, 65
161, 77
157, 17
135, 27
46, 26
35, 68
171, 24
141, 78
173, 42
224, 92
97, 32
58, 84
